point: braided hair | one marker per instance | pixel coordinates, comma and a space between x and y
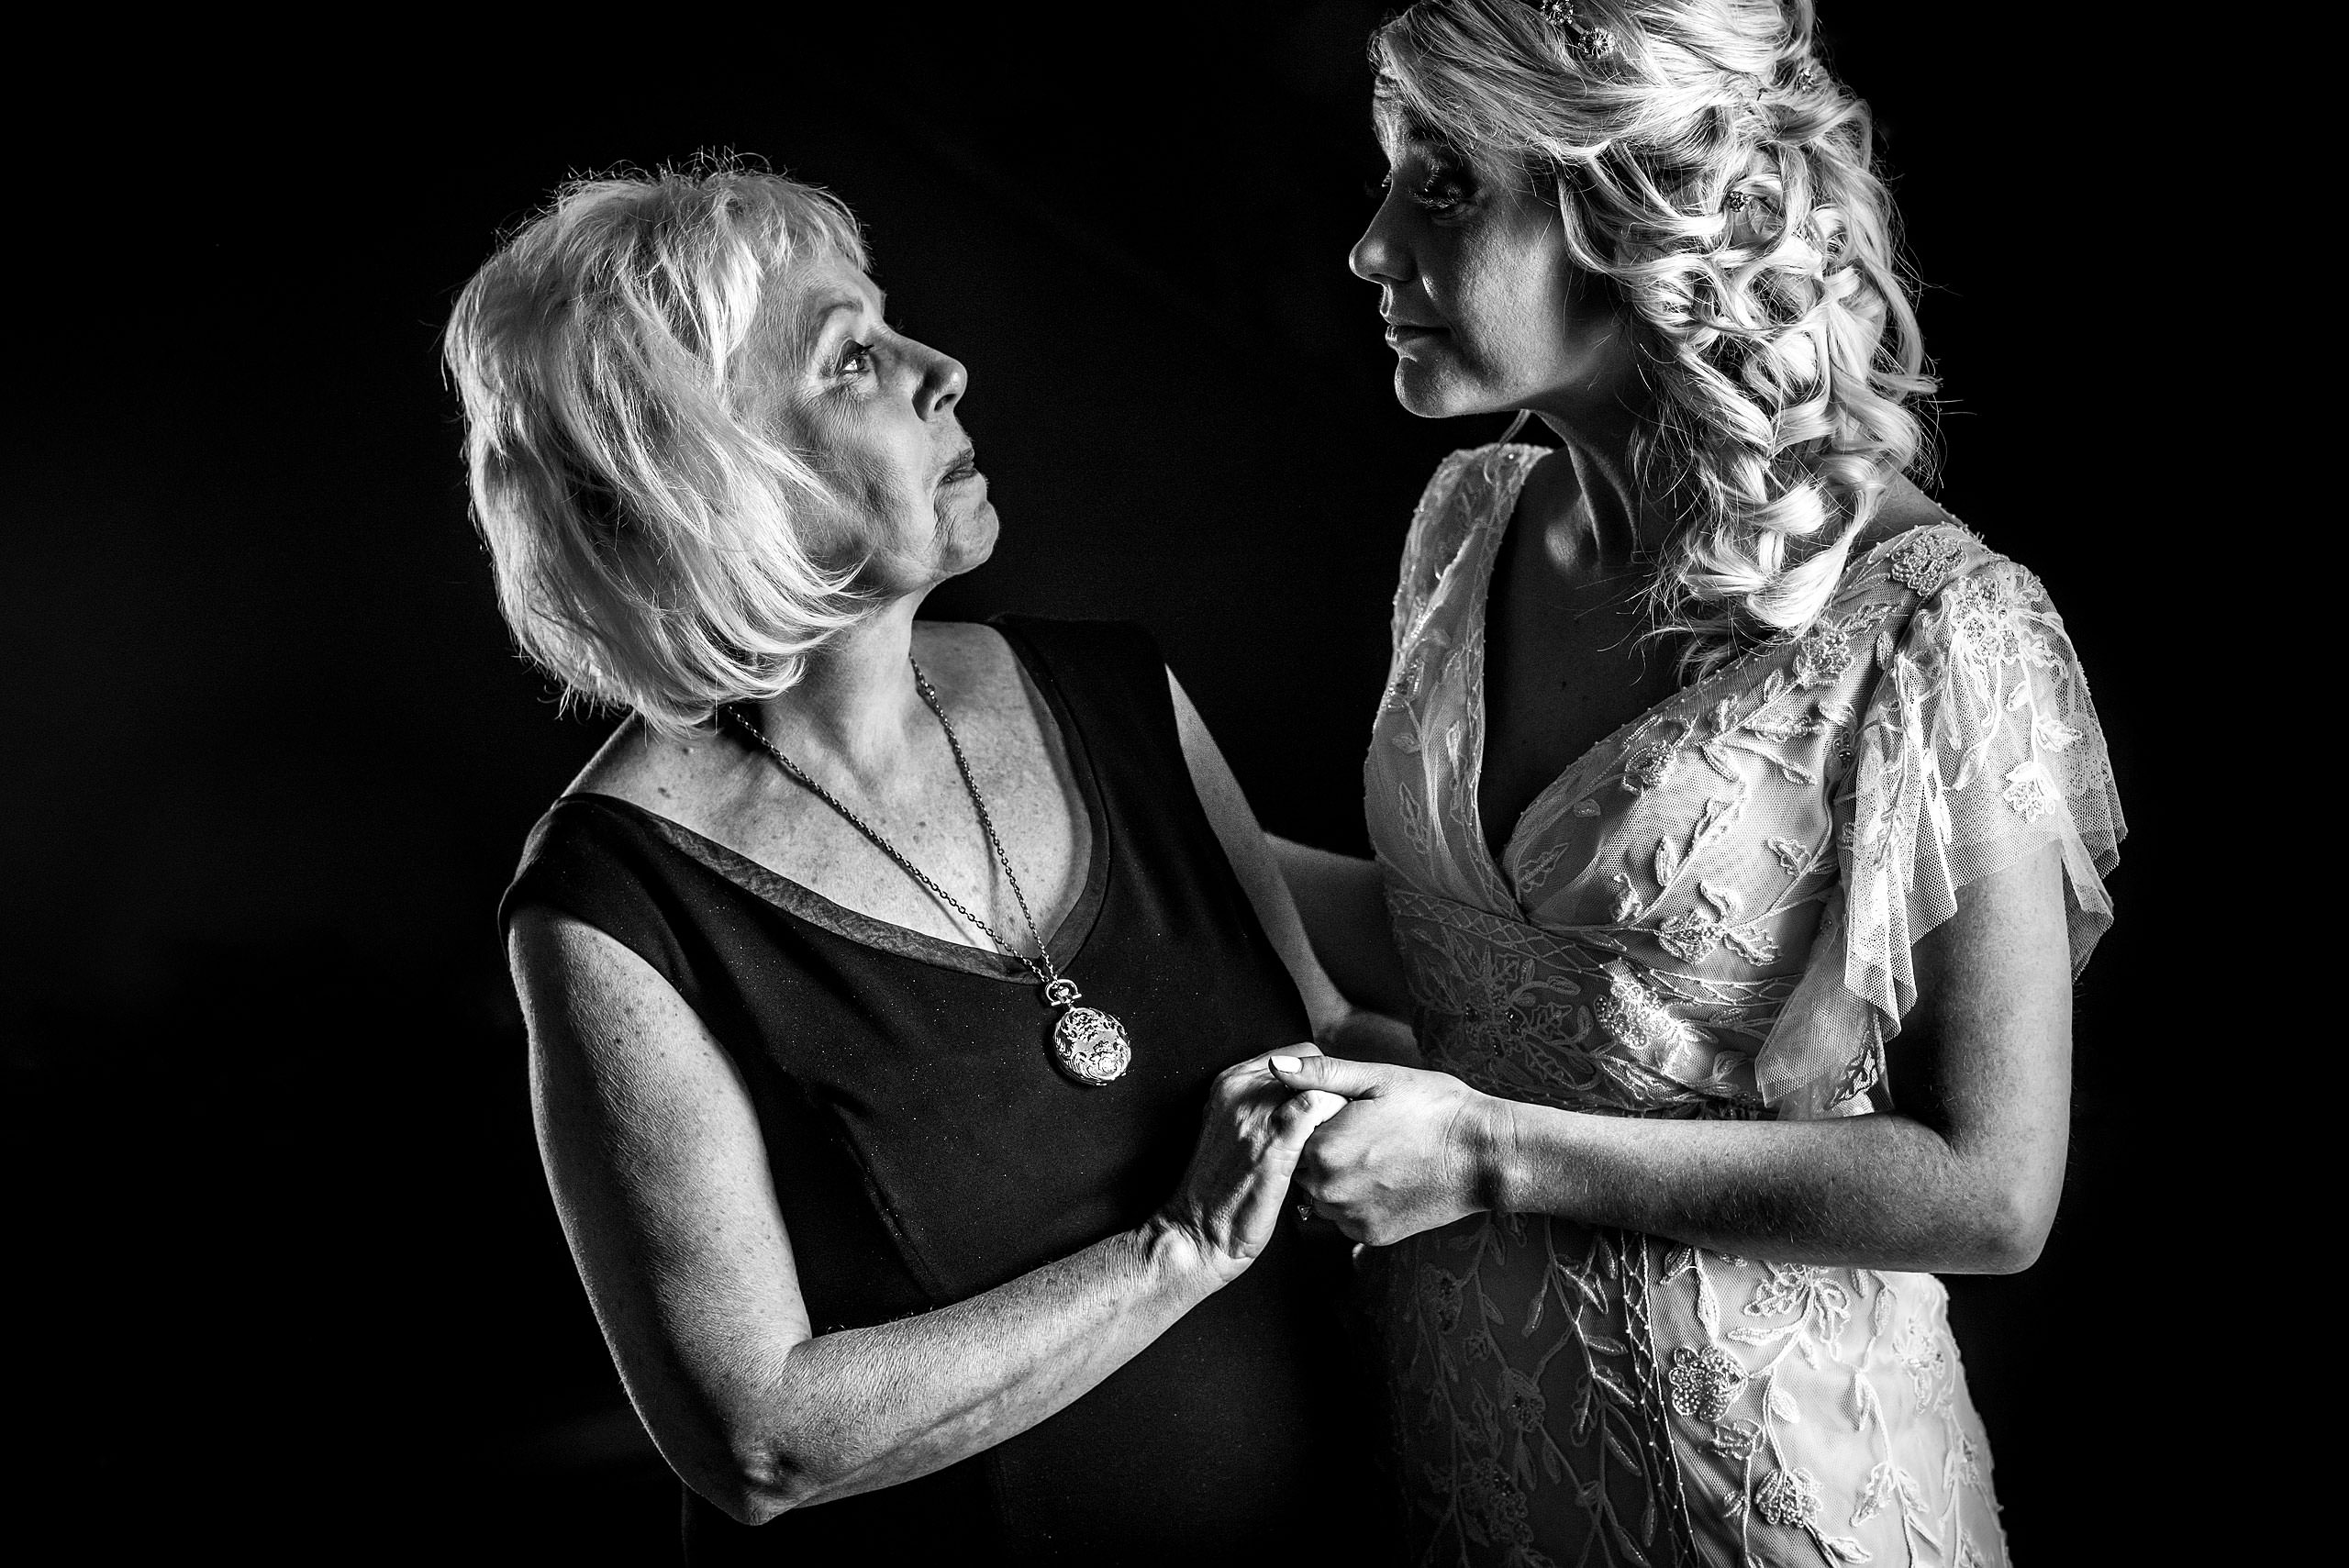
1707, 165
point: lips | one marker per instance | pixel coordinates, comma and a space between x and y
965, 466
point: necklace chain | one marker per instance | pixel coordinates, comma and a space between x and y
1041, 966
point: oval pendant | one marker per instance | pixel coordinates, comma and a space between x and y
1091, 1045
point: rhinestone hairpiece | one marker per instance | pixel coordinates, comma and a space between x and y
1590, 43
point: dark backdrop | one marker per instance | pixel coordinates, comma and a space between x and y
290, 1279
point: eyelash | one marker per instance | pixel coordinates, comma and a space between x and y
1447, 181
1426, 192
856, 355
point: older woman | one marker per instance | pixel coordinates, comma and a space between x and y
893, 1231
1747, 975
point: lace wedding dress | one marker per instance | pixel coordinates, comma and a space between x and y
1709, 914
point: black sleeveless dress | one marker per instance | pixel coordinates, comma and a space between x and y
926, 1149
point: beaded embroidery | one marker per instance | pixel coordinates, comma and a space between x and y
1705, 1382
1923, 560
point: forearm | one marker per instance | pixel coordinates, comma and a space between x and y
1343, 902
657, 1163
864, 1408
1877, 1191
1365, 1036
1967, 1181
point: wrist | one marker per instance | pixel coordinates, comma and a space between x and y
1490, 1135
1177, 1260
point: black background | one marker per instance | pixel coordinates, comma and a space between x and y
289, 1276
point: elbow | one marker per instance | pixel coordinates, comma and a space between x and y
744, 1502
2002, 1254
2008, 1231
751, 1450
758, 1486
753, 1468
2016, 1246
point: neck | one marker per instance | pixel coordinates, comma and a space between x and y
1596, 416
1598, 432
856, 702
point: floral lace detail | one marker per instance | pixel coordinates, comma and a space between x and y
1565, 1019
1705, 1382
1976, 747
1649, 767
1923, 560
1547, 1434
2030, 793
1562, 1390
1640, 1021
1698, 919
1788, 1497
1811, 1345
1824, 654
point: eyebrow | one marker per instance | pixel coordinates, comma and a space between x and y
824, 307
820, 311
1412, 130
1419, 131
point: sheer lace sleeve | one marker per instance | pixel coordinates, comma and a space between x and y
1437, 525
1977, 747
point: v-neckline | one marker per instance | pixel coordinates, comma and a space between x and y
1495, 866
1476, 615
1066, 940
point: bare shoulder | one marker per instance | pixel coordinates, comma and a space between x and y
970, 664
691, 779
984, 682
636, 763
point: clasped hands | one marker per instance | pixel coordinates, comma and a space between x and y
1410, 1150
1384, 1152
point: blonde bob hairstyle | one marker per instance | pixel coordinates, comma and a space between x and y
1708, 165
640, 518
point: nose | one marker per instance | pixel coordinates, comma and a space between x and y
1380, 256
943, 382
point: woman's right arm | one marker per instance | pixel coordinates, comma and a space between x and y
1343, 902
660, 1175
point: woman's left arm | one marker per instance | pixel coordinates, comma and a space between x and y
1963, 1177
1338, 1024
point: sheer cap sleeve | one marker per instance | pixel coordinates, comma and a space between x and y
1978, 748
1438, 525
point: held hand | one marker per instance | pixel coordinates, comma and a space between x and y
1411, 1150
1255, 1127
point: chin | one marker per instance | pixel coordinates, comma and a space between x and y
1440, 392
967, 539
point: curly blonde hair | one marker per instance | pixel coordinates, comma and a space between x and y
1708, 165
645, 522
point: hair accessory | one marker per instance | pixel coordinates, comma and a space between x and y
1735, 201
1590, 43
1807, 78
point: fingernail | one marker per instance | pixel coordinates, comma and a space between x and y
1283, 1063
